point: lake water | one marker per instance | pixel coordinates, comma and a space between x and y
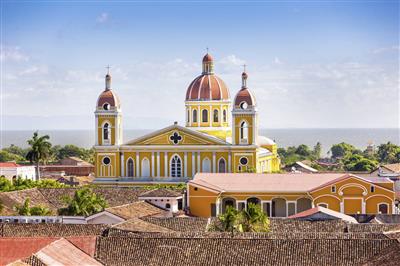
284, 137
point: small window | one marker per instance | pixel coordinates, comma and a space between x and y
195, 189
106, 106
243, 161
224, 116
188, 116
372, 189
194, 118
240, 168
215, 116
204, 115
243, 105
106, 160
168, 206
333, 189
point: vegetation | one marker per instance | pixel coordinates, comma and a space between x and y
39, 151
19, 184
388, 153
26, 210
302, 152
61, 152
85, 202
252, 219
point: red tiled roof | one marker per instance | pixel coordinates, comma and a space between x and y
18, 248
108, 96
207, 87
9, 164
245, 95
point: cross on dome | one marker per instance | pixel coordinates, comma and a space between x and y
108, 69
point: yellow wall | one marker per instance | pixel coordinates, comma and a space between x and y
249, 120
348, 192
111, 121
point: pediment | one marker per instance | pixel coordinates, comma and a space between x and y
176, 135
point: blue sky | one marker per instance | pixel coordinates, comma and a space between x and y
310, 64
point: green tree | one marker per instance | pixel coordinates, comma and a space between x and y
341, 150
251, 219
229, 219
85, 202
356, 162
303, 150
317, 150
388, 153
5, 184
39, 151
6, 156
26, 210
16, 150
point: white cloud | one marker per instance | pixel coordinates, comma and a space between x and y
386, 49
277, 61
102, 18
13, 54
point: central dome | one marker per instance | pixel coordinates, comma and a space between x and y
207, 86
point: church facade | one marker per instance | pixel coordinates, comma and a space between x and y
219, 136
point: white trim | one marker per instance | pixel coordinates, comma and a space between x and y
170, 164
198, 163
193, 164
97, 130
365, 190
143, 168
229, 163
319, 205
214, 168
152, 165
105, 212
137, 165
185, 164
166, 164
158, 164
122, 163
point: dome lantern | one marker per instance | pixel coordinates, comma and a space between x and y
208, 64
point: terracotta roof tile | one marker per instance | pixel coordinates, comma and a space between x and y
51, 230
162, 192
136, 209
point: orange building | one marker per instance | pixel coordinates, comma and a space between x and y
283, 195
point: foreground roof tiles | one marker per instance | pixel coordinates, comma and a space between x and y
136, 209
51, 230
226, 251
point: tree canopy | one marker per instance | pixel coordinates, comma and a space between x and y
84, 202
26, 210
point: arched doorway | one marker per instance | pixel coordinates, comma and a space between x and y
145, 167
383, 208
176, 166
228, 202
244, 132
303, 204
221, 166
253, 200
279, 207
130, 168
206, 166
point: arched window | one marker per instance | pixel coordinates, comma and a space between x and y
188, 116
204, 115
106, 131
130, 167
244, 132
383, 208
176, 166
206, 166
145, 167
168, 206
224, 116
215, 116
194, 118
221, 166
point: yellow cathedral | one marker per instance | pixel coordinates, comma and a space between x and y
220, 136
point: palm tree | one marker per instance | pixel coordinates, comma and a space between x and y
253, 219
229, 219
85, 202
26, 210
39, 152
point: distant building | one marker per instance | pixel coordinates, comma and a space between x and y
301, 167
68, 166
164, 198
13, 170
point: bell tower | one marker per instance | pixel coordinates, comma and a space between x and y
244, 116
108, 116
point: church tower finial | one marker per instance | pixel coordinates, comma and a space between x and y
208, 64
244, 77
108, 78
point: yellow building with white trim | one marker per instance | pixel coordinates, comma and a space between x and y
219, 137
283, 195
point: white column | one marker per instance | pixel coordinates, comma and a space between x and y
122, 165
165, 164
214, 166
287, 208
220, 115
198, 116
158, 164
152, 165
233, 130
363, 207
254, 128
96, 131
229, 163
116, 129
198, 163
193, 165
137, 165
217, 207
211, 115
185, 164
341, 207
